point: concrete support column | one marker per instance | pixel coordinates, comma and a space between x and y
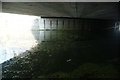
119, 22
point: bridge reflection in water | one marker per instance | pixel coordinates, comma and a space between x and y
19, 33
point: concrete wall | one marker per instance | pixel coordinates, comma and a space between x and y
62, 28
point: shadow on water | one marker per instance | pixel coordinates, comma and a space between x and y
70, 55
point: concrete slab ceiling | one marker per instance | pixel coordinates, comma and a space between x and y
96, 10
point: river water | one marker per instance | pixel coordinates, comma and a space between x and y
15, 35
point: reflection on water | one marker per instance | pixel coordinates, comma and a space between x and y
15, 34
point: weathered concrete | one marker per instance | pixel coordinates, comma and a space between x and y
83, 10
61, 28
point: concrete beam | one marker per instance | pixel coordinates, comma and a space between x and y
60, 0
82, 10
